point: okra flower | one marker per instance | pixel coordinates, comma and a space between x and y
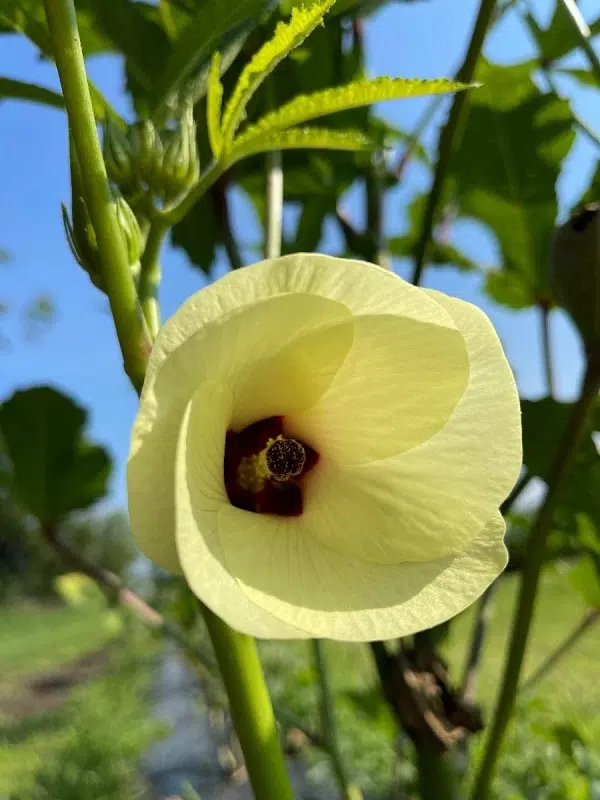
322, 448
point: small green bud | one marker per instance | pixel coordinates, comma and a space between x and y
180, 166
81, 235
575, 271
80, 232
131, 230
146, 151
81, 238
117, 154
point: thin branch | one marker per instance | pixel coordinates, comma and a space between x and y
482, 618
591, 616
449, 135
375, 200
534, 559
222, 211
274, 204
547, 349
413, 140
584, 35
115, 587
348, 790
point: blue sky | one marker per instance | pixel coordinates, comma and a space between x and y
79, 353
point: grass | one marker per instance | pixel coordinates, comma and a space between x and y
36, 638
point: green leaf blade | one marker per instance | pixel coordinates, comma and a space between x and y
505, 171
357, 94
19, 90
54, 469
287, 37
302, 139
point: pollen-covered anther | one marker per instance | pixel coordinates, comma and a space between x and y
285, 458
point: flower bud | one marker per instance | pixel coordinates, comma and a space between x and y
81, 235
117, 154
131, 231
180, 166
80, 232
575, 271
146, 151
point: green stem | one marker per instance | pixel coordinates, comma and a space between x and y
375, 212
591, 616
415, 136
579, 122
534, 559
482, 616
251, 709
437, 778
274, 204
348, 790
221, 207
449, 136
120, 288
150, 276
547, 350
584, 34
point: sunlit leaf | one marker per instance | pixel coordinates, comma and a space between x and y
341, 98
287, 36
301, 139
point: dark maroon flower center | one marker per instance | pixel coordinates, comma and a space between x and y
264, 469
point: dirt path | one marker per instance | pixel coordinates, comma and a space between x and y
50, 689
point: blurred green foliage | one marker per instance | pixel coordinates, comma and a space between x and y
89, 748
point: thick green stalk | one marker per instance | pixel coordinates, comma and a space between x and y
532, 568
449, 136
437, 777
584, 35
150, 276
251, 709
348, 790
62, 23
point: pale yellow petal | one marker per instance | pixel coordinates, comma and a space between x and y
397, 388
278, 355
363, 288
432, 500
200, 494
300, 582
